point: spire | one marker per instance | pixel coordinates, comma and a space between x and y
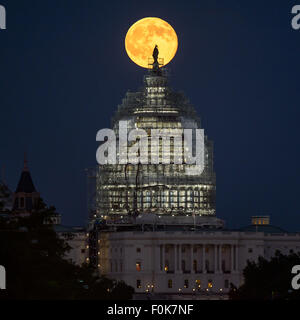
25, 183
25, 163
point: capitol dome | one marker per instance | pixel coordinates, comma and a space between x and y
156, 188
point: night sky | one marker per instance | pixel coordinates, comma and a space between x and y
64, 70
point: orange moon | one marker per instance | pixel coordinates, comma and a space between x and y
142, 37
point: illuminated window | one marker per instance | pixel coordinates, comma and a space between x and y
170, 283
210, 284
138, 266
198, 283
138, 284
167, 265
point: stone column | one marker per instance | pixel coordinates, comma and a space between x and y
203, 259
163, 258
175, 258
231, 257
220, 259
160, 257
236, 258
216, 258
192, 258
179, 258
157, 258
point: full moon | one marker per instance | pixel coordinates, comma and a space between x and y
142, 37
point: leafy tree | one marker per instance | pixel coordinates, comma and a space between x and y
33, 255
268, 279
4, 195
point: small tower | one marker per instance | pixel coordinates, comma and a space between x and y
25, 197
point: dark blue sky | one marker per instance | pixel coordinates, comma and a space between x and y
64, 70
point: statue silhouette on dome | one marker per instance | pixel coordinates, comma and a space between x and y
155, 58
155, 54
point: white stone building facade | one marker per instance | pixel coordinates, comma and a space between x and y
185, 262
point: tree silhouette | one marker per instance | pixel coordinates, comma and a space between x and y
268, 279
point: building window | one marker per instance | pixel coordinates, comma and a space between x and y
223, 266
210, 284
226, 284
250, 250
166, 266
186, 283
207, 265
170, 283
138, 284
147, 200
195, 265
198, 283
183, 265
138, 250
121, 266
82, 250
138, 266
